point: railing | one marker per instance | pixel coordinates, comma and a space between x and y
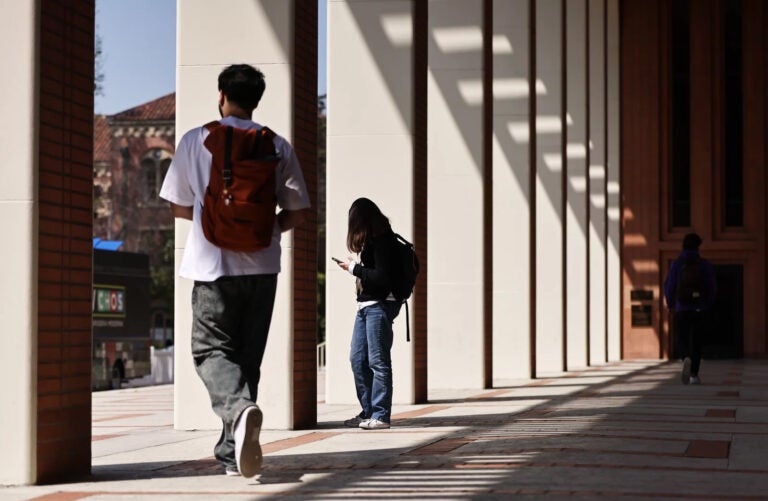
321, 355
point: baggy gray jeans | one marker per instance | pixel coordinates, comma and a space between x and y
231, 318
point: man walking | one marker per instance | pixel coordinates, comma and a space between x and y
234, 290
690, 289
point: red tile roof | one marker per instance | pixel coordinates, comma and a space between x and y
163, 108
102, 142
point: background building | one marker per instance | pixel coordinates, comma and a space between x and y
132, 151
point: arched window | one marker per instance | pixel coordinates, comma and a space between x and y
154, 166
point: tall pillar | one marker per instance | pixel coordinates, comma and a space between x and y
371, 152
613, 194
18, 216
456, 231
205, 45
511, 194
47, 212
597, 184
550, 223
576, 185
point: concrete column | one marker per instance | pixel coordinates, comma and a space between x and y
597, 184
455, 205
576, 184
613, 248
369, 154
205, 45
549, 188
18, 217
511, 194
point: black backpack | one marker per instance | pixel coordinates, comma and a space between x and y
691, 285
408, 270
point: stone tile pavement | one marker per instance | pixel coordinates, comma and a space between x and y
626, 431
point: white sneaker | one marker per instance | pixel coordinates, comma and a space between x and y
374, 424
694, 380
685, 376
247, 447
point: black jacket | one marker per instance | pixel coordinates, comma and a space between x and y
378, 264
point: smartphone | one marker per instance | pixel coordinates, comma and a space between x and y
337, 260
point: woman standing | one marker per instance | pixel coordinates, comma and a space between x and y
370, 235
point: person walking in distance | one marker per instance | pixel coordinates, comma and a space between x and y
690, 289
233, 252
370, 235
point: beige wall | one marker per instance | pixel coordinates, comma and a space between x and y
370, 106
576, 184
597, 227
205, 45
369, 154
455, 203
511, 193
549, 197
18, 218
375, 34
613, 247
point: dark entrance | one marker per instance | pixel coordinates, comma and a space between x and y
725, 333
724, 323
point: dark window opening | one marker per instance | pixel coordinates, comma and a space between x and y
681, 114
154, 167
733, 117
150, 176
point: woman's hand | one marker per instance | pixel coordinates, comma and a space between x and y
346, 265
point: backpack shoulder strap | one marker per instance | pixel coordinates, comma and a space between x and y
267, 132
211, 126
406, 242
264, 146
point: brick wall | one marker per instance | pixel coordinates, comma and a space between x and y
65, 232
305, 237
419, 302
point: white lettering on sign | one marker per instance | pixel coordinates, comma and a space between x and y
108, 300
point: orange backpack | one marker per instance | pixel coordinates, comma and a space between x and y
240, 201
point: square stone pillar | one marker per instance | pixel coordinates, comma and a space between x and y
613, 187
262, 34
576, 184
456, 233
597, 185
550, 221
373, 144
46, 210
19, 26
511, 189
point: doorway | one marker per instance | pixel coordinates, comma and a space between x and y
724, 337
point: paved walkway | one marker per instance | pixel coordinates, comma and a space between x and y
625, 431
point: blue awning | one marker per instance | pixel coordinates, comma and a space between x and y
109, 245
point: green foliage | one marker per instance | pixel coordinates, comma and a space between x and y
98, 66
320, 307
321, 258
162, 272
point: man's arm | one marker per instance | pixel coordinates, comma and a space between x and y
289, 219
181, 212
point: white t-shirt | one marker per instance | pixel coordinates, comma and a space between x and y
185, 185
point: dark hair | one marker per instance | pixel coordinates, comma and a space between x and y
365, 220
691, 241
243, 85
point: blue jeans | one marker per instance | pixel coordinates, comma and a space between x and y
230, 324
371, 359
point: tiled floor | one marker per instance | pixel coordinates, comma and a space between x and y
626, 431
